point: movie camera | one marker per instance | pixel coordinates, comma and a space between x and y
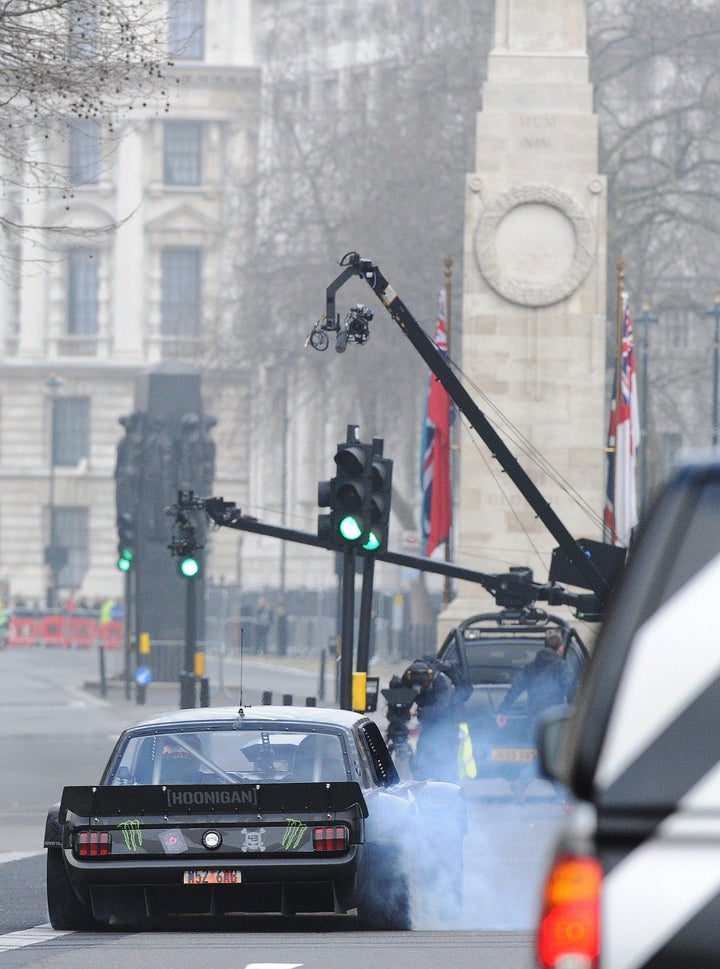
355, 328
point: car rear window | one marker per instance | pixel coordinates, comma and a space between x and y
497, 661
230, 756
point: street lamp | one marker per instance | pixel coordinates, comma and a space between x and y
715, 311
53, 385
646, 318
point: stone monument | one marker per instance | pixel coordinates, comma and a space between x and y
534, 297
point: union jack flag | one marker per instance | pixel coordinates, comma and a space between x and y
621, 506
435, 451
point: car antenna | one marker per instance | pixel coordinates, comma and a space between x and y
241, 711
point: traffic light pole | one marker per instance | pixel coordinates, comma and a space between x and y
128, 627
347, 629
365, 624
187, 677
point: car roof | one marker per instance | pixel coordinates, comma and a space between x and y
205, 716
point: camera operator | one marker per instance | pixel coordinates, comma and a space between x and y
437, 702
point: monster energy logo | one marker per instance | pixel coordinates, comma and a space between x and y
132, 834
293, 834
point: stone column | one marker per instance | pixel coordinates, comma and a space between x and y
533, 291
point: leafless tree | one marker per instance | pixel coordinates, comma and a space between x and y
657, 82
70, 62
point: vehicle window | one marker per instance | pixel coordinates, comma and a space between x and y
227, 756
492, 661
382, 763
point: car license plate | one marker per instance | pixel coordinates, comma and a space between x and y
525, 754
212, 876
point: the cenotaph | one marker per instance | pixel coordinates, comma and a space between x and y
534, 322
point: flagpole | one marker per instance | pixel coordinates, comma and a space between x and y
609, 532
448, 261
620, 320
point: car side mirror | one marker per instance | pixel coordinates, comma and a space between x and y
551, 733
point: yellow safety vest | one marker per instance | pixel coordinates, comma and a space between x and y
466, 762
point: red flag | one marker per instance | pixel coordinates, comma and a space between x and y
437, 494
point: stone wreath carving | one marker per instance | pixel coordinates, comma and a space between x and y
513, 289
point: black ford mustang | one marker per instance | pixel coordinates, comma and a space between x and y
267, 809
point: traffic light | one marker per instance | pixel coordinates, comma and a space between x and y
347, 495
352, 493
326, 525
125, 557
127, 533
380, 497
189, 565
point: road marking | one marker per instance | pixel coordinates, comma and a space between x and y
274, 965
18, 940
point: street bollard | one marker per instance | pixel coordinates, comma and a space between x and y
204, 691
103, 676
187, 691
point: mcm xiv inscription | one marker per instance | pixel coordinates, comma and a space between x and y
208, 797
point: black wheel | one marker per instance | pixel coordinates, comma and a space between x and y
386, 903
64, 907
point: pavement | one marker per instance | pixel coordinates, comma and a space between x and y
229, 678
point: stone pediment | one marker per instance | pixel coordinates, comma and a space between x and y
182, 218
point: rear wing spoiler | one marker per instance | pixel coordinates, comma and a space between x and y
163, 800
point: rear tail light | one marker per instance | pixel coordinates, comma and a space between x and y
569, 931
93, 844
331, 838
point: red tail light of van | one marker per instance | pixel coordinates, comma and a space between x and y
570, 921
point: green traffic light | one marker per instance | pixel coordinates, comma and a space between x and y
372, 543
350, 529
189, 567
124, 563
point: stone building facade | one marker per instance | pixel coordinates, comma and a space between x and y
130, 267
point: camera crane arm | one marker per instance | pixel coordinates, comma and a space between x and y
354, 265
513, 589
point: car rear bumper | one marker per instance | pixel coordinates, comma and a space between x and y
129, 891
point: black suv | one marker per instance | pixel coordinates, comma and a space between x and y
635, 883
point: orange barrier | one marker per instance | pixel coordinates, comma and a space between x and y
82, 632
52, 631
22, 631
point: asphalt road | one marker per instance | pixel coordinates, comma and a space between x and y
56, 728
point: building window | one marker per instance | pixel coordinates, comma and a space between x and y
70, 531
183, 152
84, 152
83, 30
186, 29
181, 291
70, 431
83, 291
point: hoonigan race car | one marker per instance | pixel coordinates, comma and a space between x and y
268, 809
